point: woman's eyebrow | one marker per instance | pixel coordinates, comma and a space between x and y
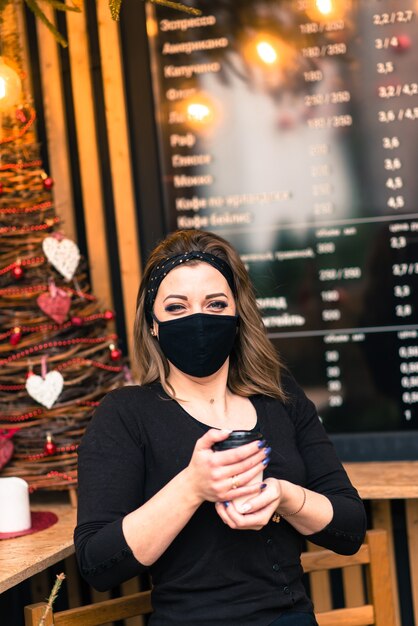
175, 295
215, 295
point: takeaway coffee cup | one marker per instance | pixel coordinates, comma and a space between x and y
236, 439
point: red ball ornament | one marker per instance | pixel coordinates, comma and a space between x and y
77, 320
1, 188
109, 315
115, 354
48, 183
49, 447
16, 336
17, 272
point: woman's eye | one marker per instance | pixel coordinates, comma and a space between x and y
218, 304
174, 308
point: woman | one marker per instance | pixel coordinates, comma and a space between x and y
152, 492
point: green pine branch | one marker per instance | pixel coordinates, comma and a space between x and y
52, 598
114, 5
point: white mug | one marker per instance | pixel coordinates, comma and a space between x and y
14, 505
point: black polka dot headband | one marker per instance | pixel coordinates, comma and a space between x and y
161, 270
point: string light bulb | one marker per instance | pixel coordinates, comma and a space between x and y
198, 111
266, 52
324, 6
10, 86
328, 10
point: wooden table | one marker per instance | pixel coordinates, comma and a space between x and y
385, 481
380, 483
22, 557
25, 556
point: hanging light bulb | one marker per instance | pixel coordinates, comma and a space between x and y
324, 6
328, 10
267, 52
10, 86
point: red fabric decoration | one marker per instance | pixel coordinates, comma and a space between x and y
56, 307
6, 451
40, 521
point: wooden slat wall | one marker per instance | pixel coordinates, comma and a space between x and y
89, 155
117, 130
53, 107
98, 226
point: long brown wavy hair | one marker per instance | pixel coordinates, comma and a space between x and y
254, 366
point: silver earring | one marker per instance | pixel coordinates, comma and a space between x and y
152, 331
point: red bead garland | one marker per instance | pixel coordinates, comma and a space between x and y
14, 291
63, 366
12, 387
55, 474
30, 209
37, 260
52, 327
30, 229
23, 416
82, 361
20, 166
56, 344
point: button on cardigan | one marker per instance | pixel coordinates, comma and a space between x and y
137, 441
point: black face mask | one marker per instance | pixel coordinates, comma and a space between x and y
198, 344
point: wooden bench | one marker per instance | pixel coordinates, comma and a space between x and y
373, 554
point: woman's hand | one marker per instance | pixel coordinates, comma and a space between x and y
223, 475
254, 513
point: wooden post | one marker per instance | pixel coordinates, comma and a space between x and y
382, 518
380, 578
320, 586
412, 532
34, 613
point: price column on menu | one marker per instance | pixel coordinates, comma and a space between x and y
395, 40
397, 90
327, 113
325, 42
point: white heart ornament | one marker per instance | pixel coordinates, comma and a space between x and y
45, 390
63, 254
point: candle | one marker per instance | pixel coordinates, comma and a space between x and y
14, 505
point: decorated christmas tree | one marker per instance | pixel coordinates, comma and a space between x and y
58, 350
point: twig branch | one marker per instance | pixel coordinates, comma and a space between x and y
52, 597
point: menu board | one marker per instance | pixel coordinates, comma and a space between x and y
291, 129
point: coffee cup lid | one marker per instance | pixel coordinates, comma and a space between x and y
237, 438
